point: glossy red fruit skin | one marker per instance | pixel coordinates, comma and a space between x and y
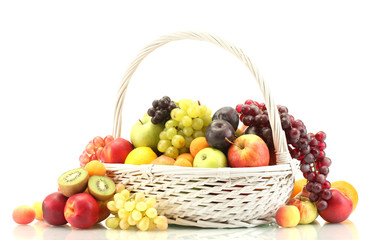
81, 210
53, 209
248, 150
116, 151
339, 207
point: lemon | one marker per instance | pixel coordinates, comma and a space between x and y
141, 155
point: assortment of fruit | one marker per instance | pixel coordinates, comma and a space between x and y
300, 210
86, 196
186, 134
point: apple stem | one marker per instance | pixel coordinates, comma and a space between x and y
232, 142
140, 121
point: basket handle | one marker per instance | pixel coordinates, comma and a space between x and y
280, 142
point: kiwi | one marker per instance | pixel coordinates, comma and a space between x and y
73, 181
101, 187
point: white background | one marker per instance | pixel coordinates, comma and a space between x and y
61, 63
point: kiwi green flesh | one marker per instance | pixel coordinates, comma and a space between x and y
101, 187
73, 181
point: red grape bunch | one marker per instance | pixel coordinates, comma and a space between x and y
306, 147
94, 149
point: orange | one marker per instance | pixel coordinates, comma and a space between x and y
187, 156
198, 144
298, 186
95, 168
348, 189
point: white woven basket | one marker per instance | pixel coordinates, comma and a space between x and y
209, 197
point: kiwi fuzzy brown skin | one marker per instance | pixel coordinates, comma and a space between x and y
101, 187
73, 181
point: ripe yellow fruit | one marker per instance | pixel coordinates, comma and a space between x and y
37, 206
141, 155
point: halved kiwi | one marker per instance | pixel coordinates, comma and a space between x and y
73, 181
101, 187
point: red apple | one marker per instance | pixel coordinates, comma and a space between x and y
81, 210
53, 209
339, 207
116, 151
248, 150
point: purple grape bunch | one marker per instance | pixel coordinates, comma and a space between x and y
306, 147
160, 110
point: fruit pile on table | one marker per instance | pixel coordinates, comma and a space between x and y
186, 134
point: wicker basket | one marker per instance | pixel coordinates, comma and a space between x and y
209, 197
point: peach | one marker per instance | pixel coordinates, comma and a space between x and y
188, 156
308, 210
288, 216
23, 214
182, 162
163, 160
339, 207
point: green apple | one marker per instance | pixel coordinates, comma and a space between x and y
146, 134
210, 158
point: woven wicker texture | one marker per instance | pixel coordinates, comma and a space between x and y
211, 198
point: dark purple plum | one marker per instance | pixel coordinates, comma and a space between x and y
217, 132
228, 114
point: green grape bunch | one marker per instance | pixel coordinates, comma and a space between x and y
189, 120
134, 210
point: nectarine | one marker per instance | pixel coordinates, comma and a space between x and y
53, 207
81, 210
116, 151
339, 207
